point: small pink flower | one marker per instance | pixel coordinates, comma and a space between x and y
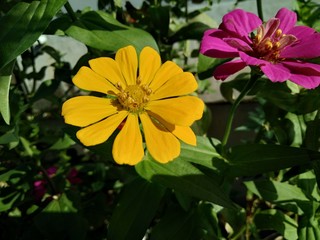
277, 47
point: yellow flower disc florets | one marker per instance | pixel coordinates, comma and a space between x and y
134, 97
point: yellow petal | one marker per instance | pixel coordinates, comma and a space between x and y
162, 145
89, 80
127, 147
84, 110
109, 69
181, 84
127, 60
149, 64
178, 111
183, 133
100, 132
165, 72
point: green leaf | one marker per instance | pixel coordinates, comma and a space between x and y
273, 219
135, 210
5, 79
193, 31
274, 191
184, 177
309, 228
206, 66
204, 154
253, 159
100, 30
8, 200
11, 174
305, 101
160, 17
308, 183
23, 25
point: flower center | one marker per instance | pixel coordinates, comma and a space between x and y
135, 97
269, 41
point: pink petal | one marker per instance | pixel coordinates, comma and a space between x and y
307, 82
253, 61
276, 72
238, 44
305, 68
309, 47
301, 32
225, 70
287, 18
216, 47
241, 23
304, 74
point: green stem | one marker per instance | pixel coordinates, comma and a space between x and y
70, 11
234, 107
259, 7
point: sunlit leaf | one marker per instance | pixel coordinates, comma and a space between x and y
274, 191
5, 80
100, 30
23, 25
273, 219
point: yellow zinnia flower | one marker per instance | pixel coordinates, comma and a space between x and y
143, 91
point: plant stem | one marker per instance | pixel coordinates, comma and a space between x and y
70, 11
259, 7
234, 107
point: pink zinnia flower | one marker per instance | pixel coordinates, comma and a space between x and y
277, 47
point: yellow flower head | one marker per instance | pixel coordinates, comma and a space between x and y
144, 91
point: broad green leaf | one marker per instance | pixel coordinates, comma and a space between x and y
135, 210
100, 30
23, 25
253, 159
204, 154
309, 228
274, 191
298, 129
5, 80
184, 177
308, 184
273, 219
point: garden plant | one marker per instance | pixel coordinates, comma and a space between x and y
116, 144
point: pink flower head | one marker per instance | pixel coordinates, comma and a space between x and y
277, 47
